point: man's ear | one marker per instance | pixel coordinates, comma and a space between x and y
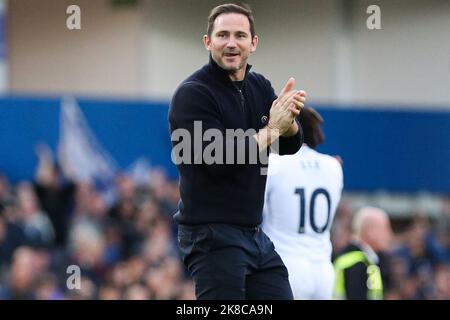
207, 42
255, 41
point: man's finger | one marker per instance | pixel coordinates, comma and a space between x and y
286, 99
294, 110
298, 104
299, 98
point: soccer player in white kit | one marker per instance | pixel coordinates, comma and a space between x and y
302, 193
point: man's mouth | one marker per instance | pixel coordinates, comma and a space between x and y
231, 54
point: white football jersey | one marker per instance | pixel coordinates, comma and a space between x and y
302, 193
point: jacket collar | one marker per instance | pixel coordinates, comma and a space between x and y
371, 255
221, 73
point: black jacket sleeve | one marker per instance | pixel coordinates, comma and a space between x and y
195, 110
356, 282
290, 145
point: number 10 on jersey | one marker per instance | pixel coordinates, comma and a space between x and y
312, 209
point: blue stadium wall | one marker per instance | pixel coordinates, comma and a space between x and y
400, 151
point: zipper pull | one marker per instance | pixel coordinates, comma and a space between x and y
242, 97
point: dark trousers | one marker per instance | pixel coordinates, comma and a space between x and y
229, 263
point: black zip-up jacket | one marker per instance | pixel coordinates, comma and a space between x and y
223, 192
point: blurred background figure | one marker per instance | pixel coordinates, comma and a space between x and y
5, 191
37, 227
47, 288
22, 275
55, 194
358, 274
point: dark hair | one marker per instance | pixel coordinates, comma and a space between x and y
230, 8
311, 122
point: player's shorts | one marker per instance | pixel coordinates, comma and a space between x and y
310, 280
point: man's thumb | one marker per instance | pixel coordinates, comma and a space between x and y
288, 86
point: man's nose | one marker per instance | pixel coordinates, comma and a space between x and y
231, 42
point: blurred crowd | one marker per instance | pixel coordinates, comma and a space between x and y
124, 250
127, 249
417, 265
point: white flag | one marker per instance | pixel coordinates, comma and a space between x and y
80, 155
140, 171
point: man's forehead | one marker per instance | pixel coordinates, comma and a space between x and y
232, 22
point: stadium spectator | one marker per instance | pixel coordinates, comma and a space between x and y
109, 292
422, 255
5, 192
357, 267
37, 227
21, 277
55, 194
46, 287
11, 235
